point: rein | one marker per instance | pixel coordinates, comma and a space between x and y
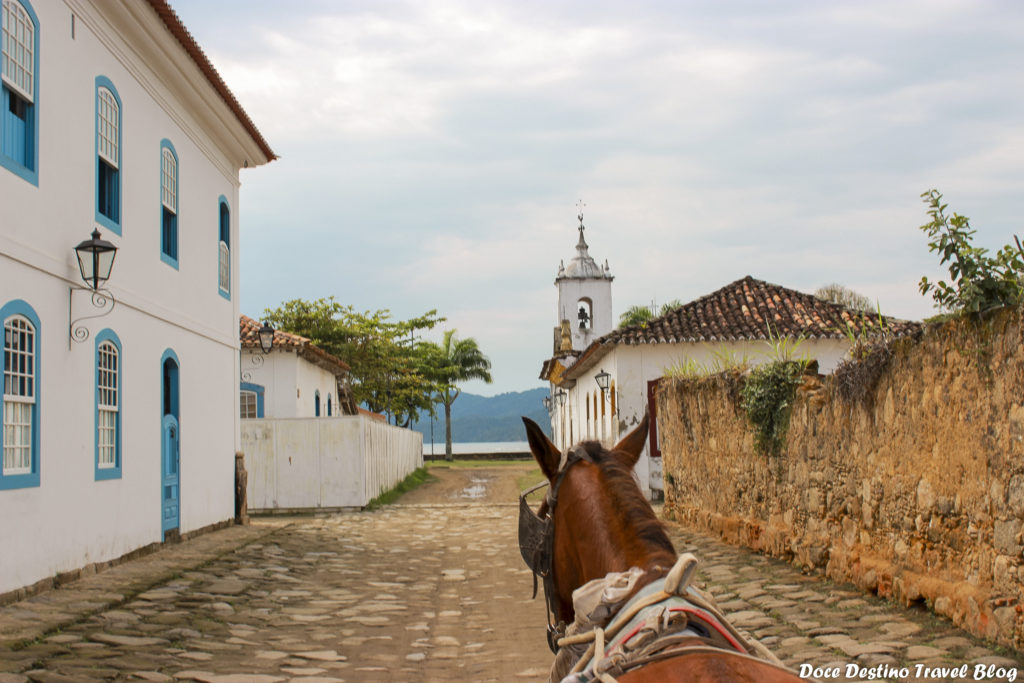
537, 540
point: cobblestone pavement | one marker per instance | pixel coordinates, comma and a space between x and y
412, 593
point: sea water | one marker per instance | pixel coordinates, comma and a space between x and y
481, 447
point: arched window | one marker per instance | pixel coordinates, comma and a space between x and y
20, 464
316, 404
224, 249
108, 155
168, 203
329, 405
108, 406
19, 116
585, 313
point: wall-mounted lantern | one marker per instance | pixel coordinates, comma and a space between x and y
602, 379
547, 404
266, 339
95, 261
560, 397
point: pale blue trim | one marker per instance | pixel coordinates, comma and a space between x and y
20, 481
113, 226
29, 174
223, 201
103, 473
175, 414
175, 395
257, 389
164, 256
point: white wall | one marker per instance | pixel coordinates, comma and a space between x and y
290, 384
81, 519
632, 366
311, 463
599, 291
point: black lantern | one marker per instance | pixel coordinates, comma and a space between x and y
560, 397
602, 380
95, 260
266, 335
547, 403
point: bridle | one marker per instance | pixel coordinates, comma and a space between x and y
537, 540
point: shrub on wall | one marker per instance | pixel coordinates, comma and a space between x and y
768, 400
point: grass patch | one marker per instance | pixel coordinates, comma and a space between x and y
474, 464
531, 478
417, 478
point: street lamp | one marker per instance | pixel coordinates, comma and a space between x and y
602, 381
266, 339
547, 404
95, 261
266, 335
560, 397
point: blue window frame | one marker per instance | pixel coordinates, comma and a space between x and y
328, 405
108, 155
19, 83
224, 248
316, 404
109, 370
251, 399
19, 447
168, 203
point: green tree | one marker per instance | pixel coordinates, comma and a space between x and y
844, 296
978, 281
390, 369
641, 315
456, 360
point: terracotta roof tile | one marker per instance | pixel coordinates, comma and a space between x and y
248, 335
178, 30
744, 309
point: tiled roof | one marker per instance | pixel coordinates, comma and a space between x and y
741, 311
248, 335
744, 310
178, 30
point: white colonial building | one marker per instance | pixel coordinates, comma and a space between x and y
602, 390
120, 425
295, 378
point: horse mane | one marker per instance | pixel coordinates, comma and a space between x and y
629, 500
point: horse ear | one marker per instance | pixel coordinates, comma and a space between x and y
545, 452
632, 445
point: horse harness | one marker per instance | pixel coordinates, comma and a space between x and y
537, 540
662, 620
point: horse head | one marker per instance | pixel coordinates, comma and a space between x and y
600, 520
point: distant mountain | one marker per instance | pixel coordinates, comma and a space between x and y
489, 418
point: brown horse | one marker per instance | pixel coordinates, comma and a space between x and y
600, 522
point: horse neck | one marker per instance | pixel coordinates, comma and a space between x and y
611, 533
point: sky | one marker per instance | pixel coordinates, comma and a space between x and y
433, 152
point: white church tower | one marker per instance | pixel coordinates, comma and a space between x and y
584, 299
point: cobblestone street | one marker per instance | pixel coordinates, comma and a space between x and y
425, 592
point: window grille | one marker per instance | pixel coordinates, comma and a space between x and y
247, 404
224, 268
108, 126
19, 394
108, 405
19, 44
169, 181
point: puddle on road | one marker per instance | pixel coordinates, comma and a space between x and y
477, 490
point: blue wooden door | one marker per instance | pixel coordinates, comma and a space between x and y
170, 479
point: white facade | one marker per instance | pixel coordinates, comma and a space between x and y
174, 313
589, 413
291, 385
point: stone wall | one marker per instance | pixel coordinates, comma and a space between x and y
916, 493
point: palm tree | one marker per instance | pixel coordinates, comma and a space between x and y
460, 360
635, 315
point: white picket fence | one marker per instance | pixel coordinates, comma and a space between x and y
332, 462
